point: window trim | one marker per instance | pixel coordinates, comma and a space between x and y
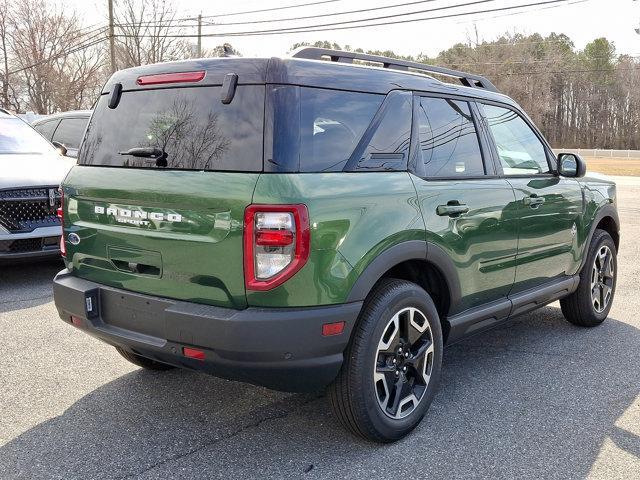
417, 168
550, 156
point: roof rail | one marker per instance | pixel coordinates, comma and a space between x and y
467, 79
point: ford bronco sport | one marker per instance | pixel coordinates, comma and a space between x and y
300, 223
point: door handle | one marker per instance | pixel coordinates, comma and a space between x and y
533, 201
451, 210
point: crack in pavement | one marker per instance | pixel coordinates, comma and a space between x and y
279, 415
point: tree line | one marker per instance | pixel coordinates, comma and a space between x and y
50, 62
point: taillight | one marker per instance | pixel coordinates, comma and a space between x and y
276, 244
60, 214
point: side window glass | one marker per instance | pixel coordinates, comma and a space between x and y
449, 143
388, 147
520, 150
46, 129
331, 125
70, 131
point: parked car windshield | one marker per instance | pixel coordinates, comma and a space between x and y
18, 137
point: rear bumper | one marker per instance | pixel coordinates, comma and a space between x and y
281, 349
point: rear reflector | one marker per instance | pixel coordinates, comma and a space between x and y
76, 321
193, 353
329, 329
181, 77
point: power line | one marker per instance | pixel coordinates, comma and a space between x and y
532, 10
562, 72
74, 49
170, 24
272, 9
332, 27
320, 15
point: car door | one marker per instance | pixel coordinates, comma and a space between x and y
468, 209
548, 206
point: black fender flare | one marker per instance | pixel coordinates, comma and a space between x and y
607, 210
402, 252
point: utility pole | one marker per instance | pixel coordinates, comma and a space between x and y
112, 48
199, 36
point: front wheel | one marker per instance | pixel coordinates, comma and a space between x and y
392, 364
589, 305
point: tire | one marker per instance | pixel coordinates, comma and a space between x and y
361, 396
598, 275
144, 362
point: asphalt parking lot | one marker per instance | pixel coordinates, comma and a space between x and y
537, 398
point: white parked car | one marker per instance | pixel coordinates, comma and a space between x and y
32, 169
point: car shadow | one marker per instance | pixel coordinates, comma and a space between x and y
33, 276
537, 398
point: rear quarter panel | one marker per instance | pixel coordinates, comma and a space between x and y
353, 218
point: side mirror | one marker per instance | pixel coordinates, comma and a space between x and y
571, 165
61, 148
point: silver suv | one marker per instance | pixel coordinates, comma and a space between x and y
32, 170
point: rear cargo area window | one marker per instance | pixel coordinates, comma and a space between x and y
316, 130
178, 128
448, 139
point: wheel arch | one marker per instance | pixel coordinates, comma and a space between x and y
606, 218
420, 262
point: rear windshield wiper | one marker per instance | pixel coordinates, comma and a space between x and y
146, 152
160, 156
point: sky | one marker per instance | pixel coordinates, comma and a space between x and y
581, 20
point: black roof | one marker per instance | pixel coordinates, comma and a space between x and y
304, 72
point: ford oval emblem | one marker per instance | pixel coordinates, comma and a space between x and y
73, 238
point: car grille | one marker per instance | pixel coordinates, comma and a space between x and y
25, 209
27, 245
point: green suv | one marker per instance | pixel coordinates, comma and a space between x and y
300, 223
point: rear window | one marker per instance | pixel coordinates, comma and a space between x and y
69, 132
316, 130
47, 128
180, 128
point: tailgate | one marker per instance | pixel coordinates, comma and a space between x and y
175, 234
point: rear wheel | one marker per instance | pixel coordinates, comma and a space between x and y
589, 305
392, 365
143, 361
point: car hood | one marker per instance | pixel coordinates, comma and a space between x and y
32, 170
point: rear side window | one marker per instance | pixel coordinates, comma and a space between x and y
69, 132
331, 125
178, 128
449, 145
46, 129
313, 129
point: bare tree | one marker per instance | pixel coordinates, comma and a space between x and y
57, 62
143, 29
